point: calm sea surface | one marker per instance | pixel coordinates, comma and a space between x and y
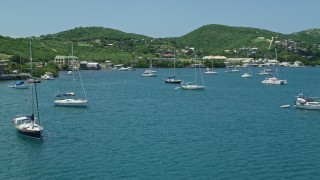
141, 128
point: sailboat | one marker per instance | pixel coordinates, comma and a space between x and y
172, 79
247, 74
263, 72
232, 69
29, 124
149, 72
193, 85
274, 80
67, 99
20, 84
210, 71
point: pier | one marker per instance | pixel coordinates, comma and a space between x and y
18, 76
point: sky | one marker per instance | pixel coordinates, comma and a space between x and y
155, 18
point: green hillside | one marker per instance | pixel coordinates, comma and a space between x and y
92, 34
309, 36
101, 44
217, 38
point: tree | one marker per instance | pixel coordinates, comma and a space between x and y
15, 59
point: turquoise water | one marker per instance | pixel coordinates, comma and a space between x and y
141, 128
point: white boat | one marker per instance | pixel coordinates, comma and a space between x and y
123, 69
29, 124
232, 70
263, 72
148, 73
70, 72
71, 102
310, 103
273, 80
194, 85
19, 85
47, 76
210, 71
68, 99
246, 75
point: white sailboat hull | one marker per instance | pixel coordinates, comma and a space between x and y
148, 75
20, 86
246, 75
71, 102
211, 72
192, 87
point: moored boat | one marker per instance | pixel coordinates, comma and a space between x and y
172, 80
47, 76
71, 102
246, 75
149, 73
310, 103
192, 86
67, 99
274, 80
19, 85
29, 124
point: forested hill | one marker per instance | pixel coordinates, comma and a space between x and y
101, 44
311, 36
92, 33
217, 38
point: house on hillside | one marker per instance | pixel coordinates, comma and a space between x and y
66, 60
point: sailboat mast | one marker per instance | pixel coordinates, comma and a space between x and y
174, 63
73, 80
84, 92
20, 64
31, 71
276, 62
195, 67
34, 92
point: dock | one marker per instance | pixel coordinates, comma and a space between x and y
18, 76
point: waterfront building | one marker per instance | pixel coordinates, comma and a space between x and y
63, 60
